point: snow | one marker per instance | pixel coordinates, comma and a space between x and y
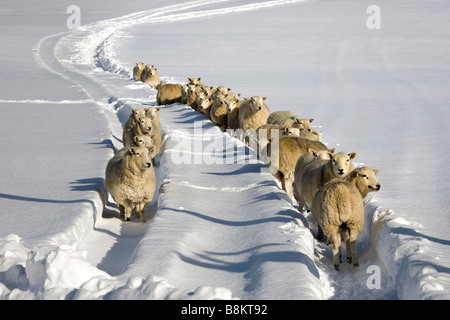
221, 227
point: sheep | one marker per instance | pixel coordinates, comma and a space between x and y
253, 113
233, 113
288, 119
194, 80
148, 142
220, 91
283, 162
143, 127
137, 71
218, 112
191, 99
205, 107
137, 114
130, 179
312, 157
315, 176
169, 93
184, 93
150, 76
338, 208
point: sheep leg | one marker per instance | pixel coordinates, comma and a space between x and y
336, 245
320, 234
352, 246
128, 211
287, 182
122, 211
140, 208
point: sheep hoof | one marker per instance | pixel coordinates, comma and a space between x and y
128, 219
336, 266
349, 260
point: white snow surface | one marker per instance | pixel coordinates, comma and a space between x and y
221, 227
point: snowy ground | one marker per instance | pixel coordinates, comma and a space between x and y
222, 228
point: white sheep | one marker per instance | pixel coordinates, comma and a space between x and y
144, 126
184, 93
316, 175
220, 91
137, 114
218, 111
253, 113
288, 119
233, 113
169, 93
308, 159
283, 162
338, 208
150, 76
194, 80
130, 179
137, 71
146, 141
191, 99
205, 107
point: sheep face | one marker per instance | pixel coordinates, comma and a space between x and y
194, 80
138, 113
141, 159
231, 105
367, 180
322, 154
291, 132
144, 140
152, 113
205, 104
145, 124
341, 163
256, 103
302, 123
149, 70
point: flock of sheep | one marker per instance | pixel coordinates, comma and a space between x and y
322, 181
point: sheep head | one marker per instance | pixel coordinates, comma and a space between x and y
341, 163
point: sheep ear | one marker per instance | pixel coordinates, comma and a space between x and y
132, 151
352, 155
133, 111
264, 98
159, 108
332, 150
286, 129
311, 120
376, 171
238, 94
151, 149
136, 138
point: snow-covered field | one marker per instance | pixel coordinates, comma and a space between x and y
222, 228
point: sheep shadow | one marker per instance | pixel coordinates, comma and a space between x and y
249, 261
